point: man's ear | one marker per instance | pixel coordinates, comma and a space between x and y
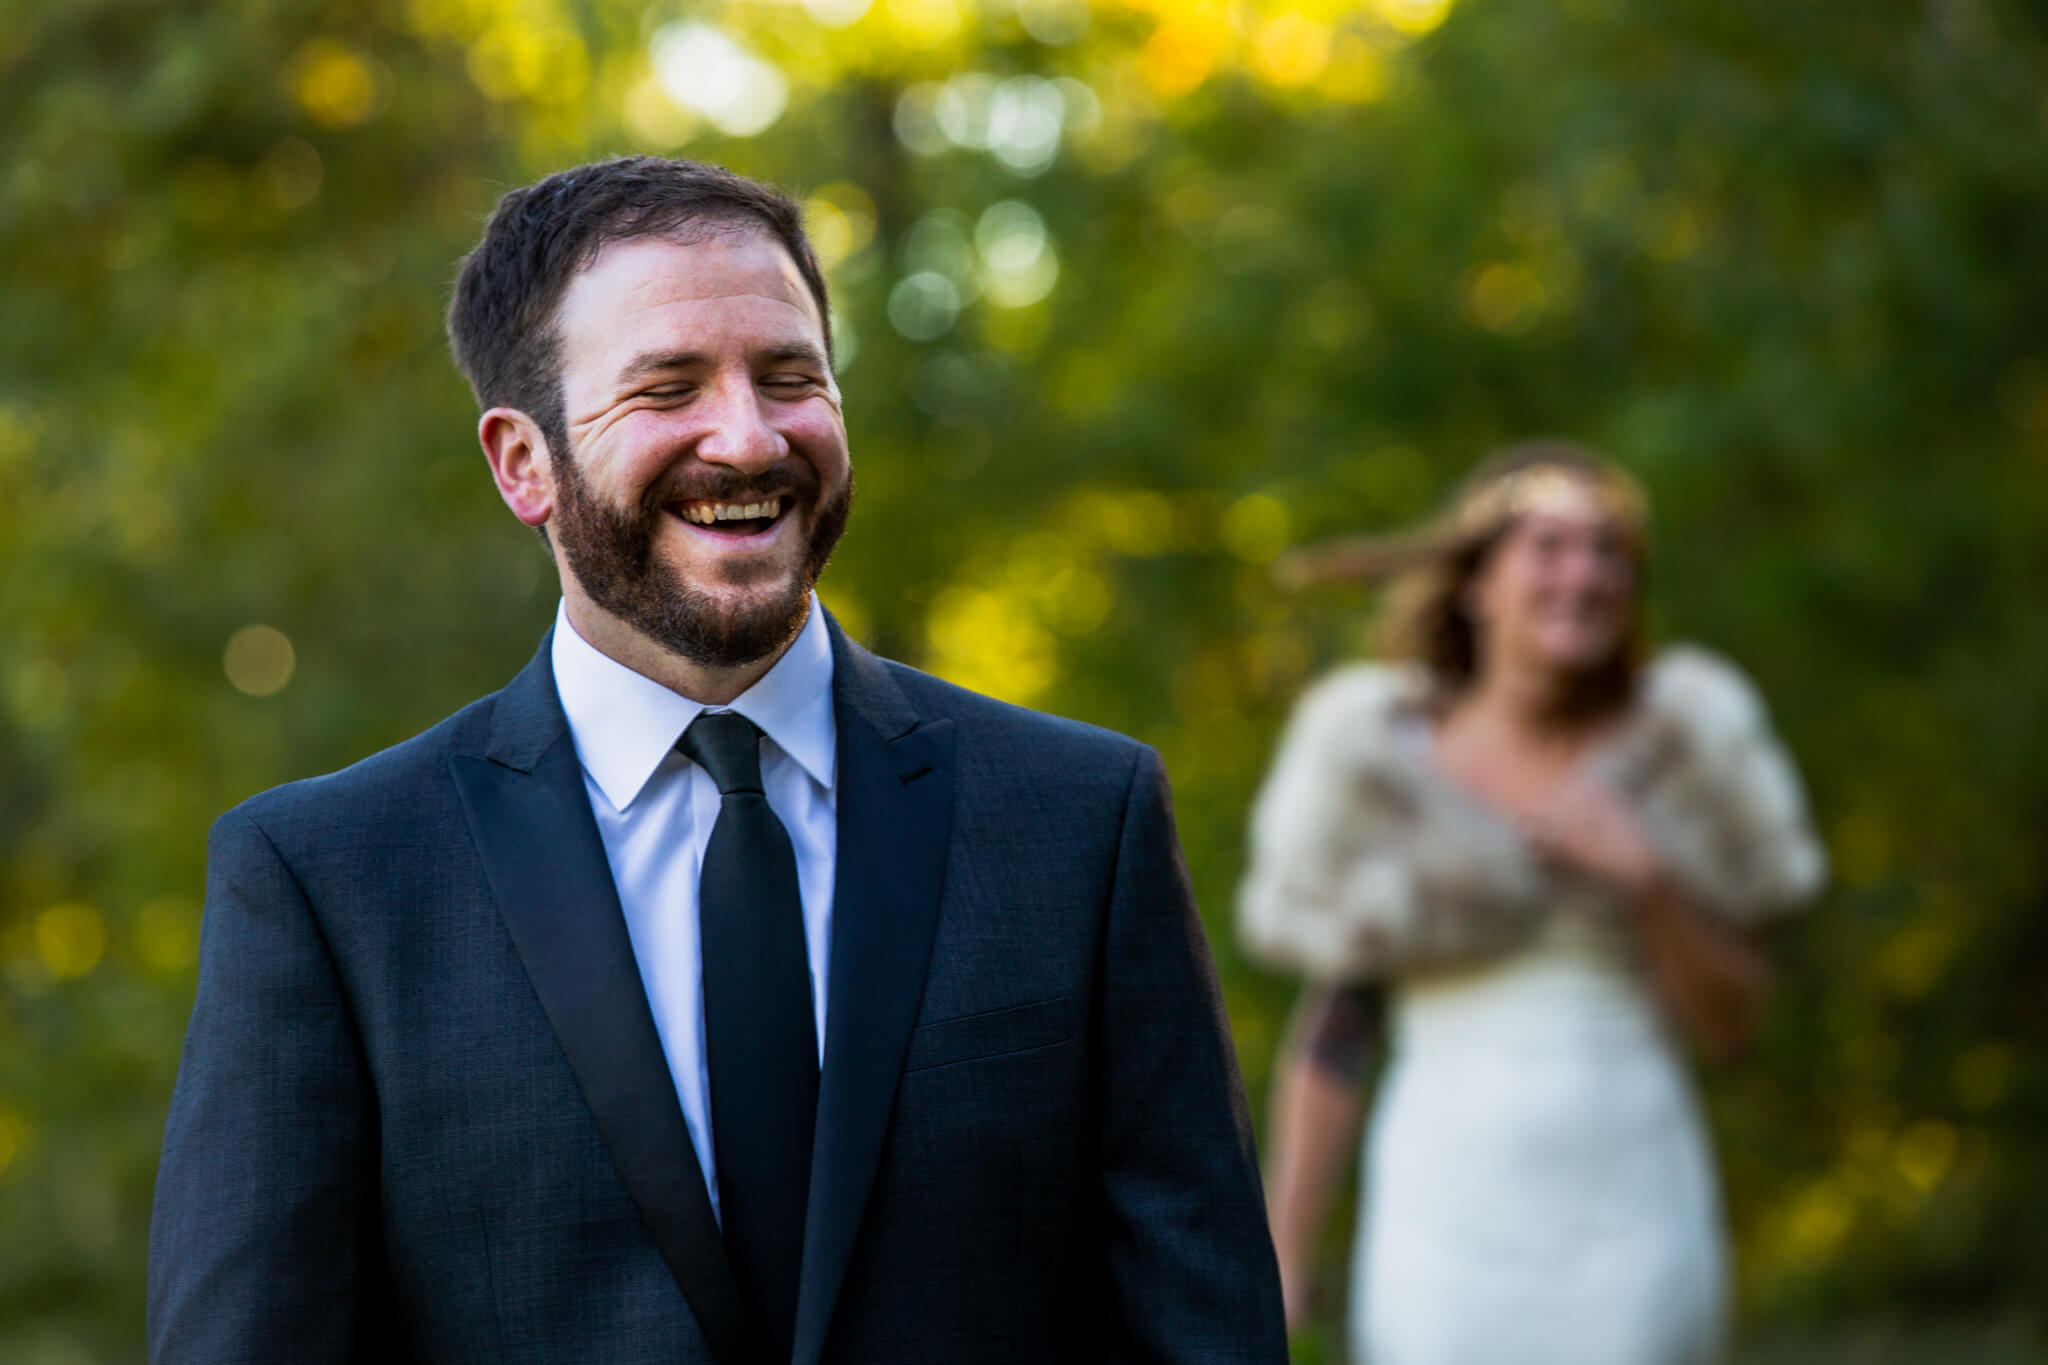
521, 463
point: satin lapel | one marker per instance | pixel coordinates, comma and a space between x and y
895, 797
546, 863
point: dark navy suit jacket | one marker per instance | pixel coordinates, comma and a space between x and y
423, 1114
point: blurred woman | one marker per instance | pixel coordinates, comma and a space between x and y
1541, 864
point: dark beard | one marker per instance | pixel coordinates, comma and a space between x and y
612, 554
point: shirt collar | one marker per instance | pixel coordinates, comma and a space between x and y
625, 723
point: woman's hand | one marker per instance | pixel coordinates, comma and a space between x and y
1708, 974
1586, 826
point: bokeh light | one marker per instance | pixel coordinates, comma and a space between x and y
1018, 264
259, 660
924, 305
708, 71
70, 939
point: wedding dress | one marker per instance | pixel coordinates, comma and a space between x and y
1538, 1187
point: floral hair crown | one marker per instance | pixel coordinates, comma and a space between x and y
1575, 492
1581, 490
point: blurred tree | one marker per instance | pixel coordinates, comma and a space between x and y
1132, 296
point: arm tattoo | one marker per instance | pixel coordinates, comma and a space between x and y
1342, 1028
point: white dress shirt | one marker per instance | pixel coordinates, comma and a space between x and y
655, 809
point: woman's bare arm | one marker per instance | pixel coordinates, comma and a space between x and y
1318, 1103
1710, 975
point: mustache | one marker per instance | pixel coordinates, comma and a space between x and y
695, 481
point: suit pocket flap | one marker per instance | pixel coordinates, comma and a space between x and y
992, 1033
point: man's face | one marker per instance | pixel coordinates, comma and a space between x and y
696, 391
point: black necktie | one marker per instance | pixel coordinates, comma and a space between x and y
759, 1036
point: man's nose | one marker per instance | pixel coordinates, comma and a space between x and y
737, 431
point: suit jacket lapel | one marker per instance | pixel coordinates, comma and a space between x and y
895, 800
531, 819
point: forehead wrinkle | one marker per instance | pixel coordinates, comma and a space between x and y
654, 354
747, 268
629, 310
621, 315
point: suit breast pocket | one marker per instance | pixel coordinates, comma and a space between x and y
992, 1033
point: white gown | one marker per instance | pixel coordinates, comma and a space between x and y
1538, 1186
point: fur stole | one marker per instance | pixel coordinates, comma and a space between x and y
1367, 863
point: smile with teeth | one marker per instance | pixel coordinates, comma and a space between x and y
710, 513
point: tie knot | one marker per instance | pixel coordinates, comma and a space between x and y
728, 746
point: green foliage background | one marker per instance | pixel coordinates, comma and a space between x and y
1783, 258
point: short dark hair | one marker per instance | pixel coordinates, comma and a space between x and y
501, 321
